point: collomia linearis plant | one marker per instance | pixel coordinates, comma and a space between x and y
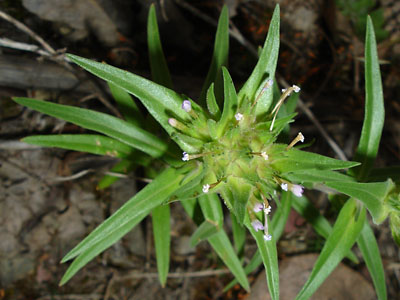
229, 152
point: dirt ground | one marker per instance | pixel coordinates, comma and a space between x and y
48, 197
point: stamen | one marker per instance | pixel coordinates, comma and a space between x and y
238, 116
267, 85
285, 93
257, 225
298, 138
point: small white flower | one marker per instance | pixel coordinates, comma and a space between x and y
284, 186
297, 190
238, 116
264, 155
267, 210
258, 207
301, 137
257, 225
206, 188
296, 88
283, 90
186, 105
172, 122
185, 156
267, 237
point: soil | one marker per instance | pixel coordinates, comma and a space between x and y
49, 198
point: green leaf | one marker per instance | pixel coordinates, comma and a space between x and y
212, 104
219, 58
239, 235
91, 143
320, 224
158, 64
317, 176
230, 102
264, 70
374, 108
162, 240
100, 122
395, 227
161, 102
370, 252
241, 192
122, 221
126, 105
206, 230
270, 259
345, 233
212, 210
281, 215
371, 194
295, 160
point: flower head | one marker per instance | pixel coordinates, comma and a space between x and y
258, 207
296, 88
267, 210
257, 225
172, 122
297, 190
186, 105
284, 186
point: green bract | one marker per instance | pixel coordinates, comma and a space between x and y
226, 149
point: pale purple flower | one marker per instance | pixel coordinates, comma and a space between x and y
297, 190
257, 225
284, 186
185, 156
267, 237
186, 105
258, 207
206, 188
172, 122
238, 116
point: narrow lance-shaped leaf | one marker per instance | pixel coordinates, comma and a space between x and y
162, 240
269, 256
371, 194
219, 59
91, 143
143, 202
161, 102
211, 207
158, 64
126, 105
230, 102
100, 122
344, 234
370, 251
264, 70
374, 107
